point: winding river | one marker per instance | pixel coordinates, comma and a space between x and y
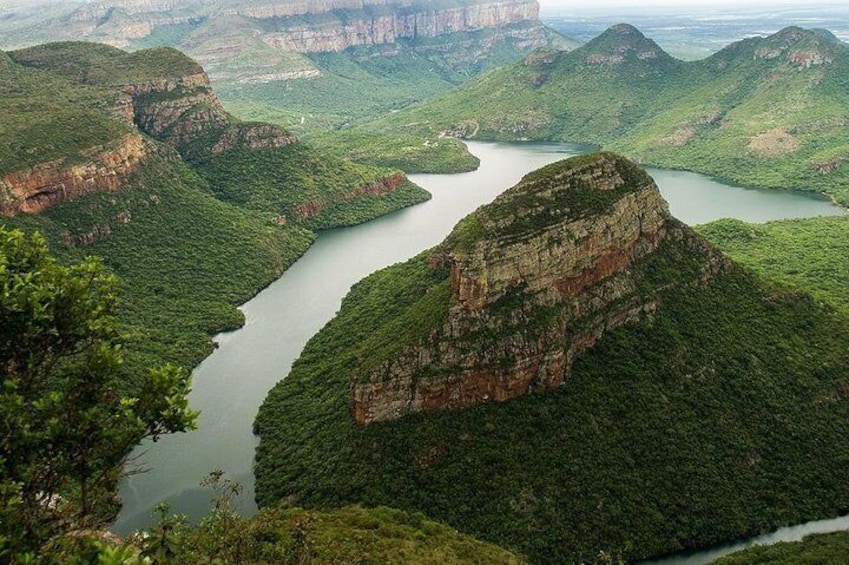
231, 383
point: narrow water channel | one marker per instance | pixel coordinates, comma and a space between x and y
231, 383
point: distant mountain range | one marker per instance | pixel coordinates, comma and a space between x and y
306, 64
767, 111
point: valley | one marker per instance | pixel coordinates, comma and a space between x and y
280, 320
429, 261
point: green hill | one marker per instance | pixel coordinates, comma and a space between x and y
87, 155
811, 254
718, 415
765, 112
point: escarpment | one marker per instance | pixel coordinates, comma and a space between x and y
534, 279
113, 108
106, 168
307, 27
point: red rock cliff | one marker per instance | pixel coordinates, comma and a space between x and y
555, 269
104, 168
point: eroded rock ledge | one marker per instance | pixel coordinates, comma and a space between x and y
536, 278
103, 168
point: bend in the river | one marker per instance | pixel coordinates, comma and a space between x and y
231, 383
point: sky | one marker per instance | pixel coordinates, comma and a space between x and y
683, 4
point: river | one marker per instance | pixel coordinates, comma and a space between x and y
230, 384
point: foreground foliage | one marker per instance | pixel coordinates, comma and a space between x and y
66, 425
282, 536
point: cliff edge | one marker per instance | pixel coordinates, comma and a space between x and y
534, 280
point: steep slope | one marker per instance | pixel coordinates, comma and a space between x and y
699, 394
535, 279
766, 111
168, 97
131, 157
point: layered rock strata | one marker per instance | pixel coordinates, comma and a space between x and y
309, 26
536, 278
102, 168
414, 21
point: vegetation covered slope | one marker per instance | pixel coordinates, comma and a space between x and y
366, 82
349, 535
767, 111
184, 258
811, 254
250, 164
720, 416
818, 549
46, 117
190, 235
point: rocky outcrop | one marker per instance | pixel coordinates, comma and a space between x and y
253, 136
176, 109
378, 188
536, 278
103, 168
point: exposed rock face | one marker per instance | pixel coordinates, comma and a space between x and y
552, 264
107, 168
308, 26
405, 20
253, 136
180, 110
176, 109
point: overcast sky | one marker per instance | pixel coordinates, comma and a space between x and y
683, 4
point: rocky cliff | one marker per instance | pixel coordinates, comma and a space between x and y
405, 20
92, 128
329, 25
103, 168
535, 279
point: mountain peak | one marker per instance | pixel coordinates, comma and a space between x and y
796, 46
795, 34
540, 274
621, 43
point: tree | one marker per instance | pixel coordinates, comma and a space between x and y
67, 419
